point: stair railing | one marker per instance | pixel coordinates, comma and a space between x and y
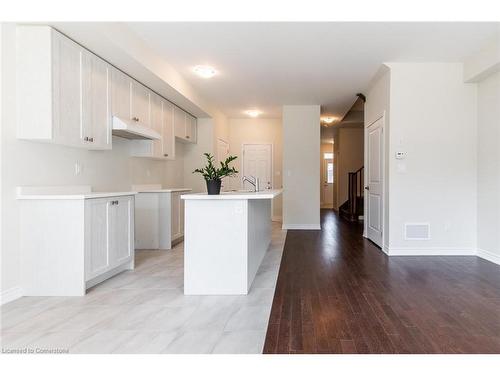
355, 190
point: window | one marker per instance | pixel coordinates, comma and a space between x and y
328, 156
329, 172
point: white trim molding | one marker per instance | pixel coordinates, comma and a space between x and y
428, 251
10, 295
488, 255
302, 226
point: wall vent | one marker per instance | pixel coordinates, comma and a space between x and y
417, 231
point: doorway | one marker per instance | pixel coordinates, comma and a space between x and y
257, 162
327, 176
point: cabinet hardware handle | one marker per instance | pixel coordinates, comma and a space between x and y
117, 202
91, 139
86, 138
165, 155
187, 136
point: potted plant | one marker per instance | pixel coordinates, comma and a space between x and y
213, 176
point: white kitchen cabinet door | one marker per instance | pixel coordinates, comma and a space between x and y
179, 123
120, 97
168, 137
184, 126
156, 124
121, 230
67, 58
98, 214
139, 104
191, 128
96, 118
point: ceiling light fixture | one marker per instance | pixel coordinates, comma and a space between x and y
328, 120
204, 71
253, 113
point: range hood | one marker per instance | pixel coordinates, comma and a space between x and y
132, 130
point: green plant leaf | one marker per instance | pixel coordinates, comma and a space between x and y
210, 172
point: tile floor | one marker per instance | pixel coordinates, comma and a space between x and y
145, 311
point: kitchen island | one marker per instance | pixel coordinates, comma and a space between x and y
226, 237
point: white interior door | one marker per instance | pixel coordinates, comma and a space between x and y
327, 184
374, 187
257, 162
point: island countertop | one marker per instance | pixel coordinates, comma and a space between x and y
233, 195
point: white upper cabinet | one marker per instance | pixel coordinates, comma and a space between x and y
162, 122
96, 115
184, 126
62, 91
67, 95
139, 104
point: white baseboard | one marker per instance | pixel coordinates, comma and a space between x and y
488, 255
428, 251
277, 218
10, 295
302, 226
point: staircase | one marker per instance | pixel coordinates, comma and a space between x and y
352, 209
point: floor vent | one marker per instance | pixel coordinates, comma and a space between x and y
417, 231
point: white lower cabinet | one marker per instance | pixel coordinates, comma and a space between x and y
71, 244
159, 218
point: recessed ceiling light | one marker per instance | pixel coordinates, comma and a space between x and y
328, 119
253, 112
204, 71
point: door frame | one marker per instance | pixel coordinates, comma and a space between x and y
223, 141
384, 156
243, 158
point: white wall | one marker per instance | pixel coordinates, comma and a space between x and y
432, 119
243, 131
301, 147
488, 171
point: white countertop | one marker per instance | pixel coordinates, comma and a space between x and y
76, 196
65, 192
228, 195
156, 188
172, 190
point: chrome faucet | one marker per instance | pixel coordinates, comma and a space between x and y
254, 181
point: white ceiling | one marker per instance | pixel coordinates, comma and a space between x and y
266, 65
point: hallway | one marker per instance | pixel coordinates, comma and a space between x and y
338, 293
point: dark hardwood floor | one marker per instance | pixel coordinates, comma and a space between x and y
338, 293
